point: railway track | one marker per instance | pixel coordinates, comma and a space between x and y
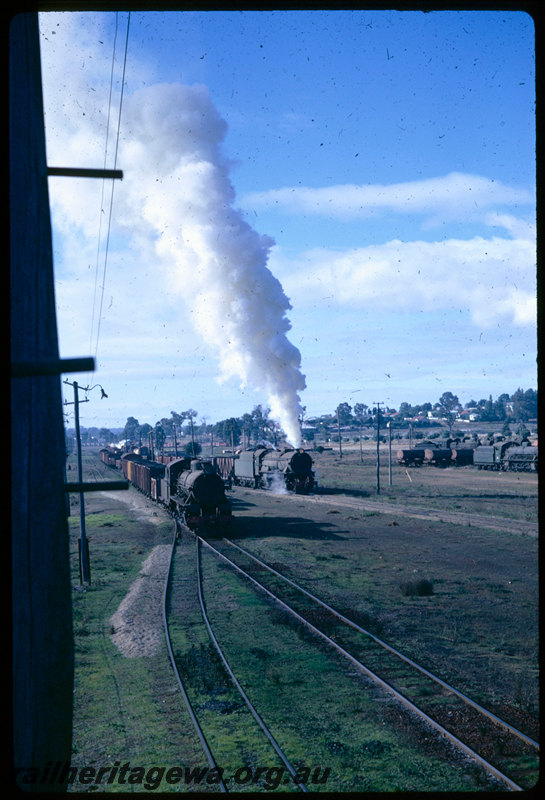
216, 758
508, 754
458, 517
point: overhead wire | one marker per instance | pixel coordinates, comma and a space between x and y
99, 320
103, 185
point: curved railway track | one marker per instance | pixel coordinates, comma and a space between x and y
509, 756
189, 706
495, 744
211, 757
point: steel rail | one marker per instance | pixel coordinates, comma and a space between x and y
377, 679
391, 649
204, 743
243, 694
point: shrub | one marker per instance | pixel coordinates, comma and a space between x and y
420, 588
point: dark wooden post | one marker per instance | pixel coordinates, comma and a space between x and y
42, 644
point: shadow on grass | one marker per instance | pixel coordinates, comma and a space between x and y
347, 492
285, 527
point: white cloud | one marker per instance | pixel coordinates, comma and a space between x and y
493, 279
152, 268
453, 196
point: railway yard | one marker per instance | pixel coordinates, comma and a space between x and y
343, 641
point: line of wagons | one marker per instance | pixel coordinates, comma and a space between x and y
509, 456
194, 489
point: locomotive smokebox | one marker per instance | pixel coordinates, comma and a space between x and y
205, 487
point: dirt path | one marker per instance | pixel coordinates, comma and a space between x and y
137, 624
145, 509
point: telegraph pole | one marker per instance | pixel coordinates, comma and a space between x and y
389, 426
339, 432
378, 405
84, 569
84, 572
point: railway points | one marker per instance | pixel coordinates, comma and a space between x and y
228, 611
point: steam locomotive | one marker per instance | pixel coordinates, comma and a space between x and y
506, 456
266, 468
189, 488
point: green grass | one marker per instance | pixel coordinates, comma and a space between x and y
477, 628
319, 709
512, 495
125, 709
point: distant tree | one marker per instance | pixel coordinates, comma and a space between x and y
360, 412
344, 413
190, 415
230, 430
131, 431
406, 410
247, 427
177, 422
144, 431
105, 436
448, 406
159, 436
488, 410
192, 449
524, 404
260, 418
167, 424
273, 431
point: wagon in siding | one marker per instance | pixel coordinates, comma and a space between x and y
411, 458
225, 467
462, 456
438, 456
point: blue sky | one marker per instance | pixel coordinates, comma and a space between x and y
322, 206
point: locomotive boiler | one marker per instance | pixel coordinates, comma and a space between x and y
189, 489
266, 468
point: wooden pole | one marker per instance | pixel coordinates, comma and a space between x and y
339, 432
378, 446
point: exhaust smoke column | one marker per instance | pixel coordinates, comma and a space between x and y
181, 186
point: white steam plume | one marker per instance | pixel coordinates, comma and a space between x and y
178, 179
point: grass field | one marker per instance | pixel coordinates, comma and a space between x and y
508, 494
478, 629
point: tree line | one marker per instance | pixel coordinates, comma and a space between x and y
257, 426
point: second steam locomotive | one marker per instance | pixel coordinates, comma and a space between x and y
265, 468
